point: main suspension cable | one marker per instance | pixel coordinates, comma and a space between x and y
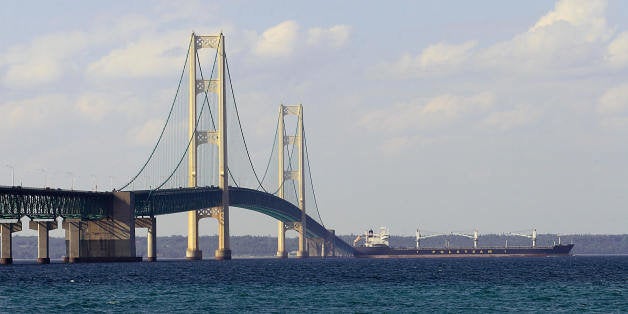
309, 170
176, 95
246, 148
200, 69
197, 120
290, 154
270, 156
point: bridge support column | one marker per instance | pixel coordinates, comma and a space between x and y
151, 241
302, 252
43, 250
331, 245
6, 250
223, 252
322, 247
316, 247
107, 240
151, 238
193, 253
281, 240
72, 239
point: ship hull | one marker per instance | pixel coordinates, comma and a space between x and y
388, 252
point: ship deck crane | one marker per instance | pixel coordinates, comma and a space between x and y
474, 236
355, 242
529, 236
419, 236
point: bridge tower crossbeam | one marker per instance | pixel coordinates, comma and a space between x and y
217, 137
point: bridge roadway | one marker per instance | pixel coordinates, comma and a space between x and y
37, 203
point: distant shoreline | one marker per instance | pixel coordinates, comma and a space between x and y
173, 247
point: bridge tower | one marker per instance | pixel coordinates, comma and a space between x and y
217, 137
298, 175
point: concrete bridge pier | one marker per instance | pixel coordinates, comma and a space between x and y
322, 247
6, 229
72, 229
42, 227
304, 244
281, 240
151, 237
193, 253
107, 240
223, 252
315, 247
331, 243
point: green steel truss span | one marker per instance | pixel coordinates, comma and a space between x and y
18, 202
170, 201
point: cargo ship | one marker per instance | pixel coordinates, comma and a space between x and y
375, 245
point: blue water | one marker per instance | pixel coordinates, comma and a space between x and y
561, 284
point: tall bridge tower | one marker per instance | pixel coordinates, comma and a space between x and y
298, 175
217, 137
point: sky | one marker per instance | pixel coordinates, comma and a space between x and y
446, 116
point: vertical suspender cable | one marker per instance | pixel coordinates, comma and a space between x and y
165, 124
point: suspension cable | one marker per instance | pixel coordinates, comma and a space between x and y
294, 184
309, 170
176, 95
205, 97
270, 156
184, 153
232, 178
200, 69
198, 119
187, 148
246, 148
290, 154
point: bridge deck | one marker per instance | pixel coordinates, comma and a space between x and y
35, 203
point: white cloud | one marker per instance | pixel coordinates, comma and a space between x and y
398, 144
435, 59
567, 37
286, 39
147, 133
43, 60
571, 36
510, 119
617, 52
418, 115
278, 41
147, 57
93, 106
35, 112
97, 105
587, 15
335, 36
612, 108
145, 51
443, 54
614, 101
451, 106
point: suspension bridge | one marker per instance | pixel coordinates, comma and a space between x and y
194, 167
